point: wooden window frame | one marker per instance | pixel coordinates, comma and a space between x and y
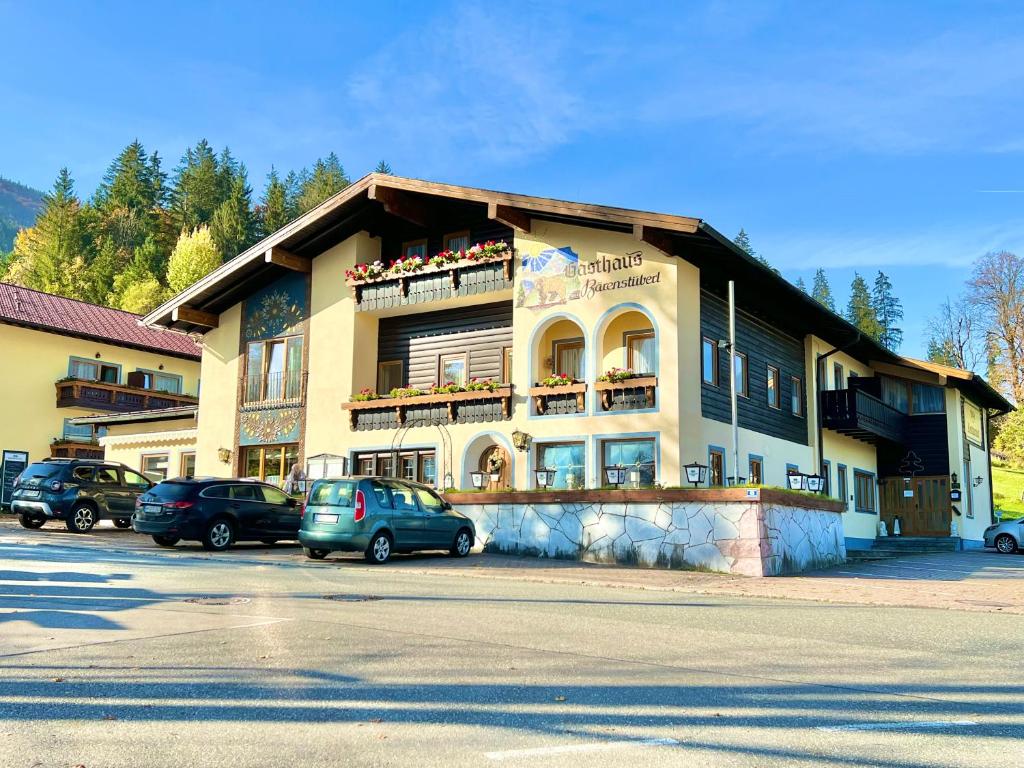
144, 457
713, 381
573, 343
100, 365
627, 339
154, 374
613, 440
752, 460
263, 457
556, 444
452, 235
506, 365
714, 451
464, 356
842, 485
838, 376
413, 243
777, 378
265, 362
380, 377
796, 396
869, 478
744, 384
181, 462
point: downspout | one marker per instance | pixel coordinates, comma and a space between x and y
988, 456
817, 398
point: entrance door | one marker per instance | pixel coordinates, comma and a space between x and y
492, 457
926, 513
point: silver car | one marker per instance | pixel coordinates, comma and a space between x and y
1007, 537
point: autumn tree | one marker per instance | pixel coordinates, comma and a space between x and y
996, 288
194, 257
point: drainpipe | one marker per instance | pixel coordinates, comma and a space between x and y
817, 398
988, 456
734, 402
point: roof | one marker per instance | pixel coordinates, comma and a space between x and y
139, 417
69, 317
967, 382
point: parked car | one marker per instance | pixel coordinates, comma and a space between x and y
378, 516
216, 512
1007, 537
81, 492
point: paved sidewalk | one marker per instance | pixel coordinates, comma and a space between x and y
966, 581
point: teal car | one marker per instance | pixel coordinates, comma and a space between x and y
378, 516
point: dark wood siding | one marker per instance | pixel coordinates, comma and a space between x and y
926, 436
419, 340
480, 231
763, 346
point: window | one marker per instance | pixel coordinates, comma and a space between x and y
367, 465
796, 396
403, 498
274, 370
428, 469
567, 459
756, 473
270, 463
740, 361
709, 362
382, 495
822, 377
415, 248
161, 382
926, 398
506, 365
389, 376
457, 241
82, 474
429, 500
452, 369
82, 432
134, 480
640, 351
850, 377
155, 465
568, 358
773, 387
635, 455
826, 472
274, 496
414, 465
716, 466
838, 377
94, 370
842, 493
863, 491
187, 465
242, 492
407, 466
106, 476
896, 394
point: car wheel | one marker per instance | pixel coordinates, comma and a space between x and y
27, 521
122, 522
82, 519
316, 554
1006, 544
379, 551
462, 544
166, 541
218, 536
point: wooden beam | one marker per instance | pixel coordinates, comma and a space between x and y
194, 316
282, 258
510, 217
400, 204
659, 238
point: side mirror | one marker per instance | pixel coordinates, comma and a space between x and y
446, 505
291, 501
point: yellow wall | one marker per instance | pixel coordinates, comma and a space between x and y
218, 400
35, 360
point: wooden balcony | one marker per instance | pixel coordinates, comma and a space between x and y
460, 278
119, 398
863, 416
632, 394
428, 410
75, 449
560, 401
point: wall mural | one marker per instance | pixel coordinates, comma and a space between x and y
267, 427
276, 310
557, 276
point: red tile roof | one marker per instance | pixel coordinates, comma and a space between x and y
56, 314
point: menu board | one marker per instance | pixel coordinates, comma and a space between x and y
14, 463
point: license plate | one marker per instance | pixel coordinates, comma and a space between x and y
151, 509
321, 517
30, 494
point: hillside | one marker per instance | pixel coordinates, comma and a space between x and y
18, 208
1007, 489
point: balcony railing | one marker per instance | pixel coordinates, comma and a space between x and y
427, 410
274, 390
561, 400
863, 416
75, 449
101, 396
631, 394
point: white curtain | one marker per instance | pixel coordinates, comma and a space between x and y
643, 355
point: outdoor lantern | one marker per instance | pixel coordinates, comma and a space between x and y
696, 473
615, 475
815, 483
479, 479
521, 440
545, 477
796, 481
978, 481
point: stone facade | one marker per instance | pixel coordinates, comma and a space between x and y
748, 537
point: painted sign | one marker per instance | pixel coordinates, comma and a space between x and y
14, 463
972, 423
558, 276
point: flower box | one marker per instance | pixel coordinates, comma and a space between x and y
609, 391
566, 398
435, 408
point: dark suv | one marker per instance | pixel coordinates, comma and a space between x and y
216, 512
81, 492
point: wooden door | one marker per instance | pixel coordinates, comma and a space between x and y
926, 513
501, 457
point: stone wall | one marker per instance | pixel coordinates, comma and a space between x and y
752, 537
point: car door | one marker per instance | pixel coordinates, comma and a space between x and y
254, 516
109, 492
407, 518
284, 511
440, 527
134, 485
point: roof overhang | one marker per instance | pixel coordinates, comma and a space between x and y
138, 417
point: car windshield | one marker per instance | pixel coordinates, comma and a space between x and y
332, 493
170, 491
34, 474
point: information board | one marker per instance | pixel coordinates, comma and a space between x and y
14, 463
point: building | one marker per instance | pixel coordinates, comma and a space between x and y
68, 359
503, 358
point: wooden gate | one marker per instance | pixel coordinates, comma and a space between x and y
926, 513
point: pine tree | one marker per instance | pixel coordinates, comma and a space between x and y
233, 226
888, 311
822, 291
801, 284
131, 182
197, 186
327, 179
861, 311
383, 167
275, 211
742, 241
194, 257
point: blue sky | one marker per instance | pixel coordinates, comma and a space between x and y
853, 136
